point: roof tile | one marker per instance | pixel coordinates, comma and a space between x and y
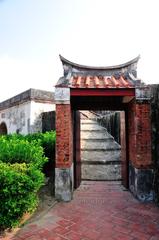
100, 82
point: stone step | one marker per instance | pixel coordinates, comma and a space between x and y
88, 115
96, 134
88, 121
101, 156
99, 145
101, 172
100, 153
93, 126
94, 140
101, 162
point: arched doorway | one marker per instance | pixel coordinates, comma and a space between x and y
103, 88
3, 129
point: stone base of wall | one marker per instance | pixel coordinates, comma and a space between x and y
64, 184
141, 183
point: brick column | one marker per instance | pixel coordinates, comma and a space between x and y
140, 168
64, 148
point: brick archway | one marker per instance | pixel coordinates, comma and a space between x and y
103, 88
3, 129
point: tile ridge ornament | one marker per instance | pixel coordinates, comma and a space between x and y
67, 63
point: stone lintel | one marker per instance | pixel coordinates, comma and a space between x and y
141, 183
64, 184
62, 95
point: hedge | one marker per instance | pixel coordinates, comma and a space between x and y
21, 151
18, 192
21, 162
45, 140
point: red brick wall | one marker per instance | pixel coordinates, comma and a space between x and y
131, 133
143, 135
64, 136
139, 135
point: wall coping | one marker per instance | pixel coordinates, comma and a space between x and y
31, 94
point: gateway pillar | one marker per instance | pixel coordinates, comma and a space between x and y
140, 165
64, 146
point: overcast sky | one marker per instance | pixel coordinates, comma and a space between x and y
93, 32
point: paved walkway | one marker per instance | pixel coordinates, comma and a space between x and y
99, 211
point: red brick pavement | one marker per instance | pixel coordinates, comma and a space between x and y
99, 211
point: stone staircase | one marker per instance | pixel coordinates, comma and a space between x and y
100, 153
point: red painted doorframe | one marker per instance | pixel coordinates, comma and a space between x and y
102, 92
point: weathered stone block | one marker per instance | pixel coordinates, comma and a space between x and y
64, 184
110, 172
143, 93
62, 95
141, 183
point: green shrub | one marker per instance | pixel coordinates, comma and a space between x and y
21, 160
45, 140
19, 184
15, 150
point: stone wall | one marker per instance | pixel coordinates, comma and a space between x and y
111, 121
155, 136
48, 121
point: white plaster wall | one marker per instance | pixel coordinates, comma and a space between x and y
26, 117
35, 114
17, 118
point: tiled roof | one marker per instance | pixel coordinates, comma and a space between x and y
100, 82
81, 76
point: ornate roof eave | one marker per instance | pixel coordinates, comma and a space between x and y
128, 70
106, 68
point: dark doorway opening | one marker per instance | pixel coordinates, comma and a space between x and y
3, 129
96, 103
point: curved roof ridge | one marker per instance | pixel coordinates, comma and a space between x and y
126, 64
